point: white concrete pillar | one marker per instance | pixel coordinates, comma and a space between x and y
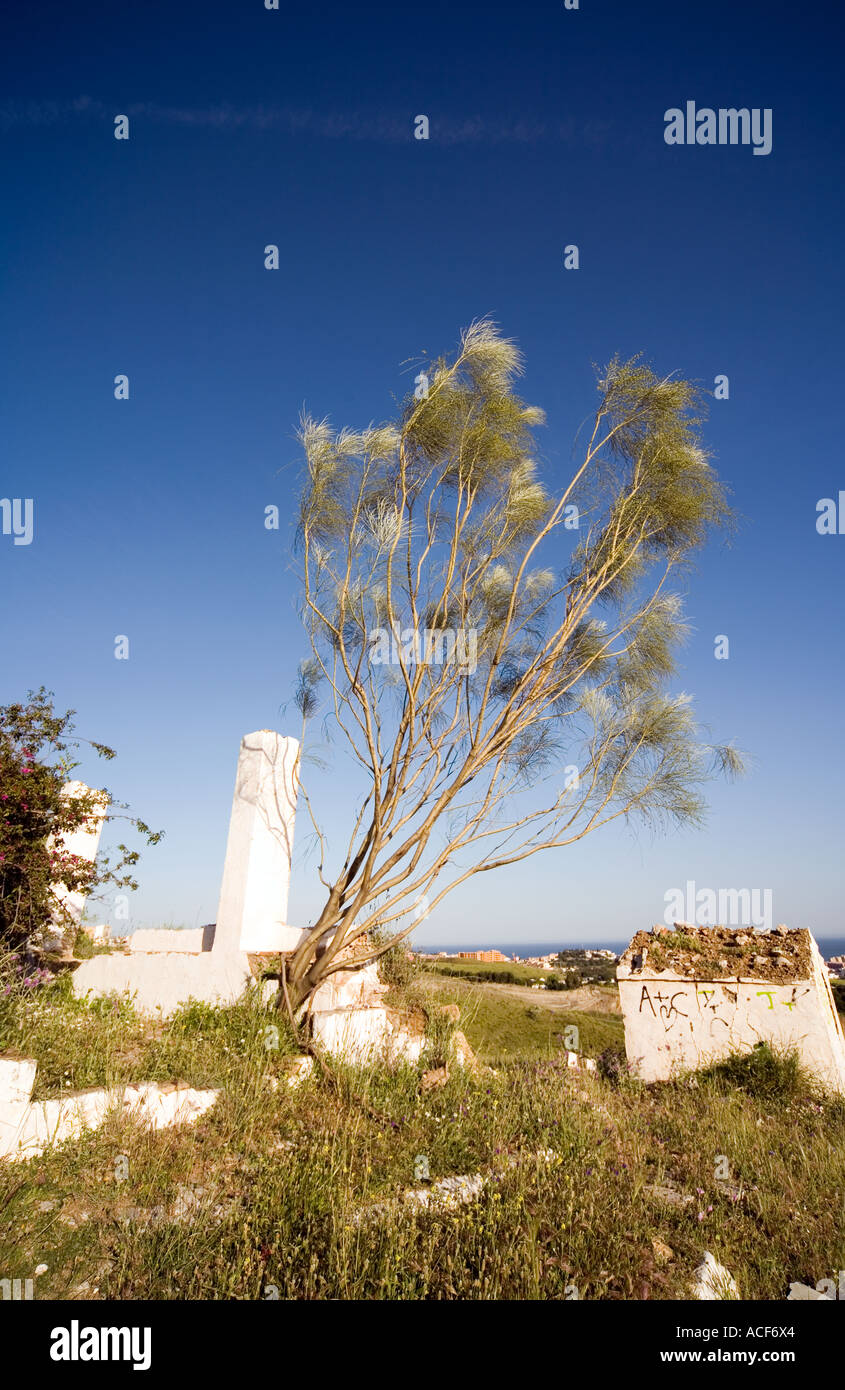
252, 913
82, 844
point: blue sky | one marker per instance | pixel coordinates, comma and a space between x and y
295, 127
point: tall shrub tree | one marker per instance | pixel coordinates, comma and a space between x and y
536, 709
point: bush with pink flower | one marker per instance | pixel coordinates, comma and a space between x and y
37, 758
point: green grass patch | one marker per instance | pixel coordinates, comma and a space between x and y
263, 1197
500, 1028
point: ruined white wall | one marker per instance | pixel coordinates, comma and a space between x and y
160, 981
27, 1128
350, 1020
675, 1024
189, 941
164, 968
366, 1034
350, 989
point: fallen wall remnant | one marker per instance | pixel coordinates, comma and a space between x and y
693, 995
28, 1127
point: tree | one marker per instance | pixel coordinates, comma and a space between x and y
503, 690
36, 760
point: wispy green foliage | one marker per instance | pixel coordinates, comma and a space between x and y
442, 523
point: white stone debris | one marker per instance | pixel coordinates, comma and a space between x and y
711, 1281
576, 1062
669, 1194
448, 1193
298, 1071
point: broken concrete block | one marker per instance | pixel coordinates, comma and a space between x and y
357, 1036
364, 1035
803, 1293
460, 1052
682, 1012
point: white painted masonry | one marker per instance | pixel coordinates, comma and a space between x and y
164, 969
674, 1023
161, 981
17, 1078
190, 941
81, 843
252, 913
27, 1128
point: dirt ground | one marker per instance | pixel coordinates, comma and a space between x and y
716, 952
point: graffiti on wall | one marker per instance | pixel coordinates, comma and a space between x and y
689, 1005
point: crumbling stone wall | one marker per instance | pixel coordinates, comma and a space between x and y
693, 995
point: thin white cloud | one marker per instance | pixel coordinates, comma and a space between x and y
373, 127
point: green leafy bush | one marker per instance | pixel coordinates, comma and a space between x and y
764, 1073
36, 761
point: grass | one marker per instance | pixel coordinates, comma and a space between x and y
765, 1073
260, 1198
504, 1029
509, 972
79, 1045
514, 973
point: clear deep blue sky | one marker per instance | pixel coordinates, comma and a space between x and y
295, 127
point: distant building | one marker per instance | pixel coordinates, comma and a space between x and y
481, 955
